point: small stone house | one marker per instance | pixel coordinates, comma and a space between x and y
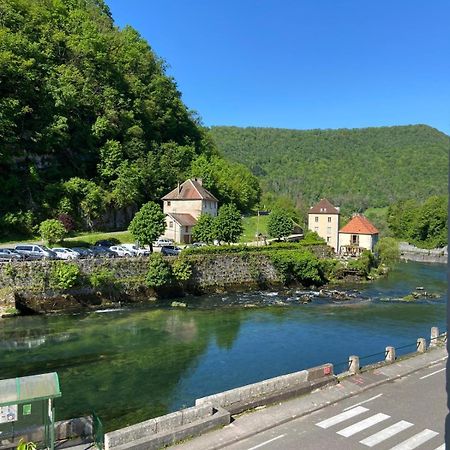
358, 235
323, 218
183, 206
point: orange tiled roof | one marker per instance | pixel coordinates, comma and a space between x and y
359, 225
323, 207
190, 190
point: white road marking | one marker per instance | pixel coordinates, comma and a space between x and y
441, 447
365, 401
267, 442
341, 417
432, 373
416, 440
386, 433
363, 424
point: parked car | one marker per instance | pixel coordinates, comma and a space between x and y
99, 251
135, 250
65, 253
170, 250
161, 242
9, 254
84, 252
120, 250
32, 251
107, 243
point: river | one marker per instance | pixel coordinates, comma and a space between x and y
133, 364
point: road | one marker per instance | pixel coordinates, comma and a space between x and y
404, 414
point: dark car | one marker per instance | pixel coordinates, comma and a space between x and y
9, 254
100, 251
84, 252
170, 250
107, 243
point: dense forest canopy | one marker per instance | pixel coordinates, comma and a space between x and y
89, 119
354, 168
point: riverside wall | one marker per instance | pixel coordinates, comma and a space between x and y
411, 253
28, 286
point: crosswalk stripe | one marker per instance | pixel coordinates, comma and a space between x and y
386, 433
363, 424
341, 417
416, 440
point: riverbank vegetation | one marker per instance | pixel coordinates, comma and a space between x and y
423, 224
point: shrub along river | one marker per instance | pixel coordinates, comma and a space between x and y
129, 365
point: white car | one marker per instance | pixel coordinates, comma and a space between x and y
119, 250
135, 250
161, 242
65, 253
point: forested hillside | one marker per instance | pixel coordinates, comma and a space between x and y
90, 123
354, 168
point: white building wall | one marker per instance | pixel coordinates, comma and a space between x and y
366, 241
327, 227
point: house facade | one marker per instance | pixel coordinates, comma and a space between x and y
183, 206
323, 218
358, 235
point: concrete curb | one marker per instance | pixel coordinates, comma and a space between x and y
253, 423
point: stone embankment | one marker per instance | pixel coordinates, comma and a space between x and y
28, 286
411, 253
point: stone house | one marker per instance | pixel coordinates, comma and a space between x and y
358, 235
323, 218
183, 206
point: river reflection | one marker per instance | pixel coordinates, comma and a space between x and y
131, 365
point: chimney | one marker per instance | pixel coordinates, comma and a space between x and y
199, 181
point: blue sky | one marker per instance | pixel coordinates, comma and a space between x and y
303, 64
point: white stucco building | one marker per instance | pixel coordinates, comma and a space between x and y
183, 206
323, 218
358, 235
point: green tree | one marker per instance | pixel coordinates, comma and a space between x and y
159, 273
203, 230
52, 231
228, 224
279, 224
148, 224
387, 251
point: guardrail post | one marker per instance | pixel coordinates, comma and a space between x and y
353, 364
390, 354
421, 345
434, 336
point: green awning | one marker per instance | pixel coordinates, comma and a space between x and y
14, 391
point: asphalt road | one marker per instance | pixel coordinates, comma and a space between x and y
404, 414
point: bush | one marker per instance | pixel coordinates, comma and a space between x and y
52, 231
67, 222
387, 251
181, 269
303, 267
312, 238
101, 278
364, 263
159, 273
64, 275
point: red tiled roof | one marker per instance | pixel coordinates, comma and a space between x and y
323, 207
190, 190
183, 219
359, 225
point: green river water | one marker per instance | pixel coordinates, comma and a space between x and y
130, 365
